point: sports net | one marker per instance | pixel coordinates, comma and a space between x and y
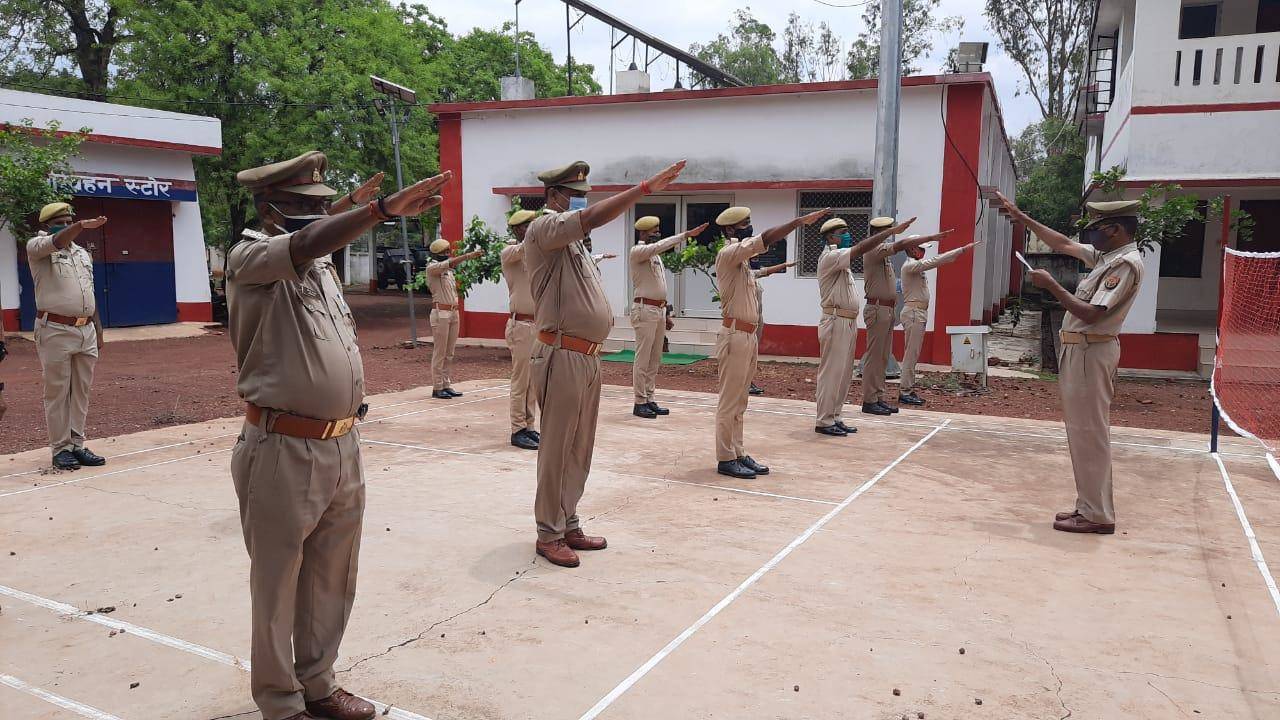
1246, 371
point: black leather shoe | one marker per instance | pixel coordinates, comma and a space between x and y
524, 440
756, 390
441, 395
832, 430
875, 408
848, 429
88, 458
537, 436
910, 399
887, 406
66, 460
658, 409
733, 468
754, 466
644, 411
453, 392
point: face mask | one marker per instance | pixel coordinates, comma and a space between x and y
746, 232
294, 223
1092, 236
846, 241
577, 203
55, 229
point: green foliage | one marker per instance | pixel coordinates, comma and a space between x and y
746, 52
471, 67
28, 156
1164, 210
45, 37
1048, 40
1050, 159
486, 268
921, 22
698, 257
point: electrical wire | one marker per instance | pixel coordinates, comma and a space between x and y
838, 5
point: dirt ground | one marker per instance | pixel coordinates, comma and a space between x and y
157, 383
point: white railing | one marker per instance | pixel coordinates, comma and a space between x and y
1232, 68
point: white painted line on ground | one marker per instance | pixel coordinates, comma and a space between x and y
64, 703
160, 638
1254, 549
85, 478
424, 448
688, 632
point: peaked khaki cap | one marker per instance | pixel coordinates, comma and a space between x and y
572, 176
733, 215
303, 175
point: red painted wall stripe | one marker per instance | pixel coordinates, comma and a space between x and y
833, 184
451, 223
959, 205
492, 325
195, 312
1204, 108
1160, 351
10, 319
140, 142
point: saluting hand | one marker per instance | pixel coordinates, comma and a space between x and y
418, 197
902, 227
368, 191
1014, 210
815, 216
91, 223
696, 231
666, 177
793, 263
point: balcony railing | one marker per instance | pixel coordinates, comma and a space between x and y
1234, 68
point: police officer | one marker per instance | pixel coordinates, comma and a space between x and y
1090, 350
296, 466
520, 332
649, 309
915, 311
445, 319
573, 319
737, 345
68, 331
838, 328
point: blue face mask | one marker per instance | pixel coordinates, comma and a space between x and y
577, 203
55, 229
846, 241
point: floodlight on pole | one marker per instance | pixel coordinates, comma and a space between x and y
397, 94
971, 56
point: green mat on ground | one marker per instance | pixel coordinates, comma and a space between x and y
629, 356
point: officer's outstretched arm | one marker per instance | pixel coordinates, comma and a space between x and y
328, 235
776, 234
874, 241
1055, 240
613, 206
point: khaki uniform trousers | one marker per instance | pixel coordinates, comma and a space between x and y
67, 359
524, 404
567, 386
836, 339
879, 322
736, 354
444, 336
913, 324
1086, 380
650, 323
301, 509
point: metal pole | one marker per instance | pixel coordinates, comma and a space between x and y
404, 224
517, 38
568, 45
1223, 242
884, 191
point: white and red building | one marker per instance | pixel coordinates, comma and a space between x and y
1187, 92
135, 167
782, 150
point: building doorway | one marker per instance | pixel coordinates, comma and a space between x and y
691, 293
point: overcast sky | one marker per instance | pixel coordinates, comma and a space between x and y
682, 22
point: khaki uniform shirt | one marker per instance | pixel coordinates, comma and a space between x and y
565, 283
63, 278
736, 280
520, 299
1113, 283
915, 284
877, 273
444, 289
835, 279
648, 274
294, 337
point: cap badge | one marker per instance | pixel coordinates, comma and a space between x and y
315, 176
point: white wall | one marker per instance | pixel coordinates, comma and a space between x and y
190, 268
1142, 314
123, 121
1190, 146
124, 160
8, 271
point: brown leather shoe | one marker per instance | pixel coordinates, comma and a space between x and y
581, 541
342, 705
301, 716
1066, 515
558, 552
1078, 524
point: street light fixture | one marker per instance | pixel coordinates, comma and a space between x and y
397, 94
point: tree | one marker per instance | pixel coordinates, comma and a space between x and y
29, 156
1049, 40
471, 67
746, 52
810, 54
920, 23
699, 255
1164, 211
46, 33
1050, 159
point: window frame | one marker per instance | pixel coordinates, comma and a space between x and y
798, 271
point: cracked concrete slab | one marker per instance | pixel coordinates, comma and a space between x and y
950, 549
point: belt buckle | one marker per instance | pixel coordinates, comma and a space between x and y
594, 349
339, 427
81, 321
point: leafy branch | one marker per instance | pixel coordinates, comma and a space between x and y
698, 257
486, 268
29, 156
1165, 210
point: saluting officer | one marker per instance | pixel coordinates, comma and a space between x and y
649, 309
838, 328
68, 330
573, 320
520, 332
1091, 348
444, 315
737, 346
915, 311
296, 465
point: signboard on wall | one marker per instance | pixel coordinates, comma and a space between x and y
119, 186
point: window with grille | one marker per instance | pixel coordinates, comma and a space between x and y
532, 202
853, 206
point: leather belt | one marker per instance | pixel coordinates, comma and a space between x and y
568, 342
882, 303
63, 319
654, 303
297, 425
732, 324
917, 304
1079, 338
840, 312
519, 317
444, 306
